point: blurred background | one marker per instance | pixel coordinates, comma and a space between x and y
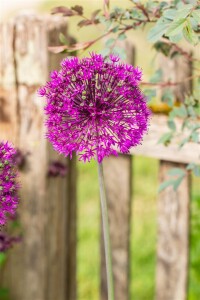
144, 211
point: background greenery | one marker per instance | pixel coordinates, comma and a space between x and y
143, 233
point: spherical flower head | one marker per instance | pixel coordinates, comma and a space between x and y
95, 107
8, 184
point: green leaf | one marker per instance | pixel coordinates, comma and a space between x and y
127, 15
157, 77
170, 14
185, 124
171, 124
63, 39
191, 111
158, 30
194, 23
176, 172
184, 12
110, 42
197, 170
115, 29
150, 93
176, 38
165, 138
120, 51
162, 47
195, 137
180, 111
122, 36
101, 19
4, 294
196, 127
168, 97
16, 224
190, 166
176, 27
177, 182
165, 184
3, 257
189, 33
184, 141
196, 15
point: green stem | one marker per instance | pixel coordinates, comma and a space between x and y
104, 213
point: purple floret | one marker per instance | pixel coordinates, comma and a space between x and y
95, 107
6, 241
8, 185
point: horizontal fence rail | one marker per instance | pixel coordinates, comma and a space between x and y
43, 266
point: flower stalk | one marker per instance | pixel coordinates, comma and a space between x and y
106, 235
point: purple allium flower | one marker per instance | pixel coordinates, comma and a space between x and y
20, 158
6, 241
57, 168
95, 107
8, 185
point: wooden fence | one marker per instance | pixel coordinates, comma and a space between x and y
43, 266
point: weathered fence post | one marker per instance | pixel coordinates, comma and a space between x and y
118, 176
43, 259
173, 237
174, 207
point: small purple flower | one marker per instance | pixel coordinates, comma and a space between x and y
8, 185
95, 107
6, 241
20, 158
57, 168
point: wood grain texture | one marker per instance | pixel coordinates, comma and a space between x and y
150, 147
8, 90
173, 237
38, 268
61, 273
117, 175
177, 69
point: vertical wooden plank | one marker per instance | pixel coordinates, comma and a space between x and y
177, 69
31, 63
61, 233
173, 237
61, 240
40, 267
173, 215
118, 176
8, 93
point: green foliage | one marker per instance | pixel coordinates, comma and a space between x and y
176, 175
149, 93
157, 77
2, 258
194, 274
177, 22
158, 30
168, 97
63, 39
143, 246
195, 168
166, 138
189, 33
4, 294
